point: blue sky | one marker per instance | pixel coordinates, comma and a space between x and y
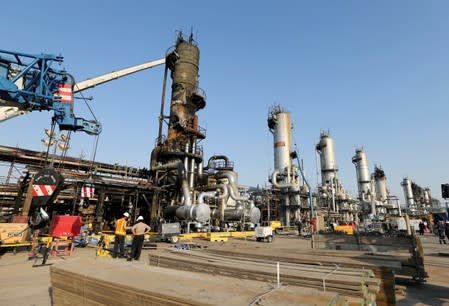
375, 73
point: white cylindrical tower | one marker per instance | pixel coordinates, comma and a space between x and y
427, 197
279, 122
360, 161
381, 185
327, 158
408, 193
285, 175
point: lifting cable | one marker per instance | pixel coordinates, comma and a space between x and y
96, 136
52, 131
64, 152
94, 154
87, 104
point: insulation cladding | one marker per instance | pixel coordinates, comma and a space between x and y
279, 122
381, 185
408, 193
360, 161
185, 100
327, 158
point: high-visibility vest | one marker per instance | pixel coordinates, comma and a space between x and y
120, 228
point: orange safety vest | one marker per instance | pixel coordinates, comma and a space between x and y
120, 228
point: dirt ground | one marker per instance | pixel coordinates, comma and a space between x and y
26, 282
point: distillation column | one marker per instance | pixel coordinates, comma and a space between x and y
177, 159
285, 176
325, 148
381, 185
408, 193
366, 195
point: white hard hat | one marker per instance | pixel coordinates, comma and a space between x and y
139, 218
126, 214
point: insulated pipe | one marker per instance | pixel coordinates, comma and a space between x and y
233, 190
192, 166
170, 165
223, 189
279, 185
236, 197
207, 194
217, 157
181, 176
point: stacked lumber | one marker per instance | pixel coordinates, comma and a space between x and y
359, 285
408, 250
363, 243
382, 266
113, 282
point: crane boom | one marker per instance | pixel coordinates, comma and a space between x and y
10, 110
89, 83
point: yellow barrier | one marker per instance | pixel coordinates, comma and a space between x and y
347, 229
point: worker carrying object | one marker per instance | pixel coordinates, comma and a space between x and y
139, 229
120, 234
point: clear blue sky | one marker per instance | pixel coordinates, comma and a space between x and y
375, 73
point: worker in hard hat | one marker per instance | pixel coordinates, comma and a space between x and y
120, 234
139, 229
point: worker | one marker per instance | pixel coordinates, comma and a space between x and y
139, 229
421, 228
441, 233
120, 234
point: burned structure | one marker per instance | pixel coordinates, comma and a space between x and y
177, 187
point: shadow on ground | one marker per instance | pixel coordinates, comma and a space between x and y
423, 294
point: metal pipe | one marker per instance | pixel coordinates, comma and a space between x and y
217, 157
182, 177
192, 166
161, 115
223, 189
232, 180
207, 194
279, 185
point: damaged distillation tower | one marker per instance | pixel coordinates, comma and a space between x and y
177, 159
285, 176
185, 191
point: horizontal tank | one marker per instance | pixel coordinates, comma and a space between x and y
199, 212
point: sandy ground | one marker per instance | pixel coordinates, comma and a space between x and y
23, 283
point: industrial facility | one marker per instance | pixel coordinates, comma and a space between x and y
352, 247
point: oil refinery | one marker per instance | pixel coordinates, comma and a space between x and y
61, 205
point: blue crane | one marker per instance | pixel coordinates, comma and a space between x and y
29, 83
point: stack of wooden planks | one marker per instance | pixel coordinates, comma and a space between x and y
357, 285
363, 243
382, 266
408, 250
115, 282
